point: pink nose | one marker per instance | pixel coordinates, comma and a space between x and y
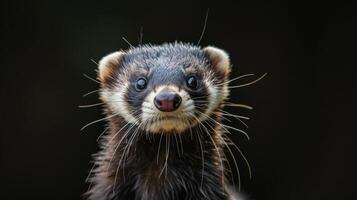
167, 101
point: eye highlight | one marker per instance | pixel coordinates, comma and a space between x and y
141, 84
192, 82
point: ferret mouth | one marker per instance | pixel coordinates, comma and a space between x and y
168, 118
162, 124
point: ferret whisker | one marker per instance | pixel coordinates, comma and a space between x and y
230, 169
141, 35
229, 166
93, 61
200, 97
117, 170
158, 149
116, 134
89, 177
124, 101
167, 149
235, 162
127, 41
119, 143
167, 157
204, 28
241, 121
90, 78
229, 104
202, 151
210, 118
90, 105
247, 84
202, 157
136, 132
238, 117
105, 130
241, 153
233, 115
90, 173
180, 139
218, 152
224, 118
203, 100
91, 92
227, 126
215, 146
237, 129
163, 167
191, 134
99, 120
177, 146
234, 79
123, 154
148, 107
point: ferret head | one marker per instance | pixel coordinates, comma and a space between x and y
167, 88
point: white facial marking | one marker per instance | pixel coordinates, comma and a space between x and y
117, 102
215, 96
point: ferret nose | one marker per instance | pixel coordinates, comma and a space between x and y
167, 101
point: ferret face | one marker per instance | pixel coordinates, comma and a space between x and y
167, 88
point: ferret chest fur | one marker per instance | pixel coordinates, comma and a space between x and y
163, 166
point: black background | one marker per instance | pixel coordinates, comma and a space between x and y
302, 127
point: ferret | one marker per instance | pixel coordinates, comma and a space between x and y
163, 104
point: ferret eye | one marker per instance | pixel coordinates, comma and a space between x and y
141, 84
191, 82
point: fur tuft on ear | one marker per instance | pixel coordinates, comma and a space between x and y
109, 64
219, 60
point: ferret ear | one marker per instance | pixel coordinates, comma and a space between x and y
219, 60
108, 65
